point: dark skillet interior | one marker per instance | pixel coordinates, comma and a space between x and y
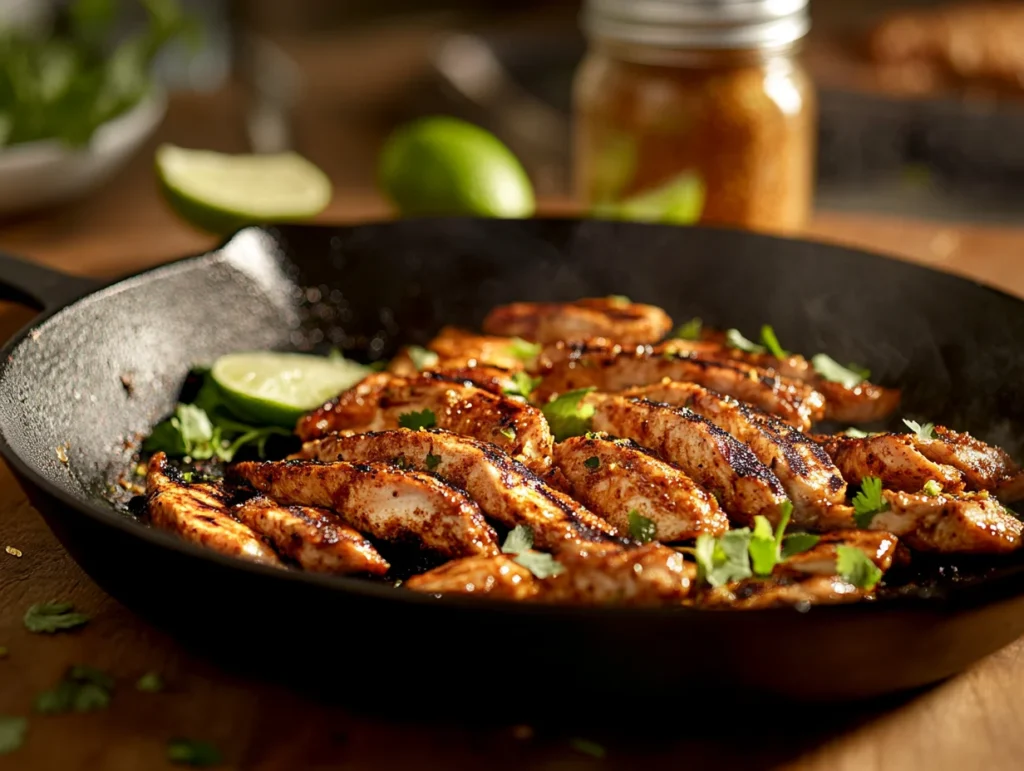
952, 345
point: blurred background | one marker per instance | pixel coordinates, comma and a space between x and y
919, 135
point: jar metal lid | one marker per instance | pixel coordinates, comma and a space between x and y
701, 24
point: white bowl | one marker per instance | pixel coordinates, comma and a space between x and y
47, 172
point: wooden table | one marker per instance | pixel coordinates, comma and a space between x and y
969, 722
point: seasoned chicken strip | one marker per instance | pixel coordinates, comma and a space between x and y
380, 500
614, 319
498, 576
806, 472
893, 458
200, 513
317, 539
783, 591
714, 460
820, 559
862, 403
380, 400
974, 523
615, 478
650, 575
565, 368
983, 466
506, 490
459, 348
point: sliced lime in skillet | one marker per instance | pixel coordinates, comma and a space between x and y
220, 193
277, 388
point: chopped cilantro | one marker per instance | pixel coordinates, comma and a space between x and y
540, 564
189, 752
932, 488
619, 299
508, 432
924, 431
50, 617
641, 528
83, 689
723, 559
771, 342
151, 682
868, 502
855, 433
567, 416
798, 543
691, 330
524, 350
417, 420
522, 385
587, 747
432, 461
855, 567
735, 339
592, 463
12, 733
519, 538
764, 552
422, 357
849, 376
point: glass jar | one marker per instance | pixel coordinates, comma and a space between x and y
678, 98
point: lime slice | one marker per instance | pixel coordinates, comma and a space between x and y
439, 166
277, 388
221, 193
679, 202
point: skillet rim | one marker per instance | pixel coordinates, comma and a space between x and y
957, 598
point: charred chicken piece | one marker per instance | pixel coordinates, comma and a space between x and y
893, 458
455, 348
650, 575
380, 400
878, 546
565, 368
506, 490
498, 576
315, 538
199, 513
380, 500
783, 591
614, 319
615, 478
983, 466
806, 472
743, 486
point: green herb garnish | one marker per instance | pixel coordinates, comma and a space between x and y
868, 502
855, 433
619, 299
771, 342
508, 432
417, 420
519, 543
923, 432
522, 385
519, 538
724, 559
50, 617
83, 689
932, 488
524, 350
432, 461
691, 330
798, 543
422, 357
849, 376
151, 682
641, 528
12, 733
765, 544
855, 567
592, 463
735, 339
567, 416
189, 752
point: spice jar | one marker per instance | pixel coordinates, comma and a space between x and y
675, 94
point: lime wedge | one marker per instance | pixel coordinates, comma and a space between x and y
439, 166
277, 388
221, 193
678, 202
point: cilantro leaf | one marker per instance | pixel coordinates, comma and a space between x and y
855, 433
522, 385
798, 543
724, 559
12, 733
417, 420
868, 502
432, 461
50, 617
519, 538
855, 567
849, 376
735, 339
924, 431
189, 752
764, 552
593, 463
422, 357
619, 299
540, 564
771, 342
523, 349
932, 488
641, 528
691, 330
508, 432
151, 682
83, 689
567, 416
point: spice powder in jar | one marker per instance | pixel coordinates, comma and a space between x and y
708, 94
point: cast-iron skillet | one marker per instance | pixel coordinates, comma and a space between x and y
953, 344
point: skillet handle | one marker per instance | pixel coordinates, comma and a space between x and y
29, 283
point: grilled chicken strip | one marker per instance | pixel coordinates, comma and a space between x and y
714, 460
650, 575
380, 400
806, 472
614, 319
893, 458
862, 403
820, 559
983, 467
783, 591
498, 576
616, 478
565, 368
455, 348
200, 513
379, 500
506, 490
316, 539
